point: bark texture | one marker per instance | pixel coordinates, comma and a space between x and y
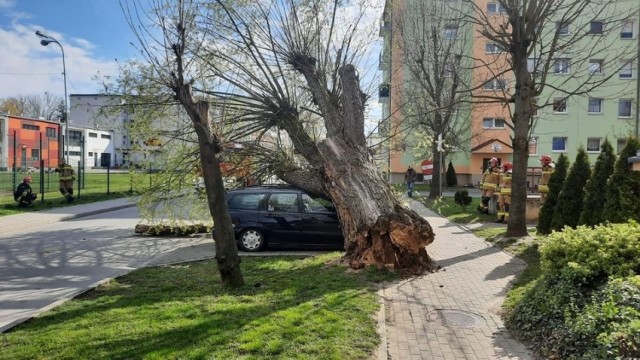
227, 257
378, 229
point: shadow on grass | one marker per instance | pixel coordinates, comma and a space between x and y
290, 308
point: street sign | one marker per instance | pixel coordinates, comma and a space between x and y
427, 169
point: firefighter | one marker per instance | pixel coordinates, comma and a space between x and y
67, 176
489, 184
24, 194
547, 169
504, 199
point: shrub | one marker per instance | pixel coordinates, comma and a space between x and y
602, 251
555, 185
452, 179
462, 198
586, 304
623, 187
595, 195
569, 206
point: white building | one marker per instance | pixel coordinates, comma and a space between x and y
98, 147
107, 116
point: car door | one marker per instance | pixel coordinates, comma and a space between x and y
320, 223
282, 219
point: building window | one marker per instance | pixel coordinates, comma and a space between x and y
620, 145
31, 127
561, 66
495, 8
563, 28
90, 153
35, 154
596, 28
626, 70
595, 106
93, 135
595, 67
533, 146
51, 133
493, 48
593, 144
626, 32
532, 65
495, 84
560, 105
624, 108
493, 123
449, 70
450, 32
559, 144
105, 136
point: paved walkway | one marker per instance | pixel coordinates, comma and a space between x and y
454, 313
451, 314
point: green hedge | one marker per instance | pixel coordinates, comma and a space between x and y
586, 304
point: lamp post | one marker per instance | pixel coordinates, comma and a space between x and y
46, 40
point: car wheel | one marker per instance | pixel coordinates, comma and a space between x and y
252, 240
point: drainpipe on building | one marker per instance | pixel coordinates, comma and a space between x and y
638, 80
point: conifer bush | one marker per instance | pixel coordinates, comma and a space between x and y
595, 191
545, 216
452, 179
623, 187
569, 206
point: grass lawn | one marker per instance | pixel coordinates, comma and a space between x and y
446, 207
95, 189
291, 308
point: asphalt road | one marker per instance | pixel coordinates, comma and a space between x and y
44, 265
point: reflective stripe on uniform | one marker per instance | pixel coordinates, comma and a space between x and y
543, 188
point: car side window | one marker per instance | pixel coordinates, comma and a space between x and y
285, 202
246, 201
317, 205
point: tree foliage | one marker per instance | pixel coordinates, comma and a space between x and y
556, 182
44, 106
595, 190
623, 187
569, 206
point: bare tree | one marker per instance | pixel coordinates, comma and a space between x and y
540, 37
169, 40
291, 61
33, 106
432, 39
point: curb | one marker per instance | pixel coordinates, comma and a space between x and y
95, 212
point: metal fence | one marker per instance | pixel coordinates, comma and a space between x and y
45, 182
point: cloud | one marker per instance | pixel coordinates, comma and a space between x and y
30, 68
5, 4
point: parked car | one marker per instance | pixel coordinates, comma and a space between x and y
283, 217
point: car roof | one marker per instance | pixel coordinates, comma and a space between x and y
266, 188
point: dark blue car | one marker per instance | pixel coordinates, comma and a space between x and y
283, 217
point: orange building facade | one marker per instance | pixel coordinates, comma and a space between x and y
27, 143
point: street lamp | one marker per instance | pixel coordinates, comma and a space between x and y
46, 40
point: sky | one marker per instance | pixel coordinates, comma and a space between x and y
93, 33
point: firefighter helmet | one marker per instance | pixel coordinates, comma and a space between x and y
545, 159
27, 178
493, 160
507, 166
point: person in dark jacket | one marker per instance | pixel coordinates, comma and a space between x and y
410, 178
24, 194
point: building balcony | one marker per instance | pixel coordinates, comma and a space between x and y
383, 93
